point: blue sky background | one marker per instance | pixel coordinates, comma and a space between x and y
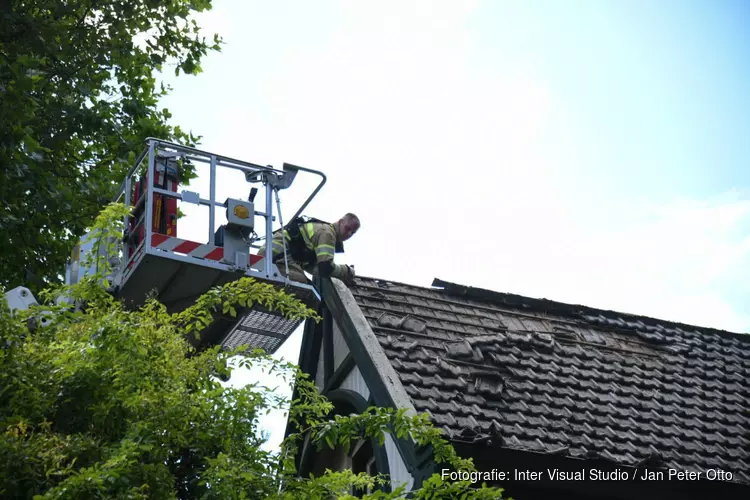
589, 152
658, 89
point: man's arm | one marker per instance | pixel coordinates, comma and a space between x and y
324, 242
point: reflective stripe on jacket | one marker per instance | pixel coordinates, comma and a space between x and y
320, 238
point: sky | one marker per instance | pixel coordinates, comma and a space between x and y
589, 152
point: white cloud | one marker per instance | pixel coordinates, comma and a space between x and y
685, 261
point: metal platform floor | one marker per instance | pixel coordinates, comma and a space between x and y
178, 282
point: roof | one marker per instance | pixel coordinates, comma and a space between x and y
537, 375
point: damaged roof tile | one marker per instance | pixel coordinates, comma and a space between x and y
534, 374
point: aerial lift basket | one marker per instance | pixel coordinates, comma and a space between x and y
178, 271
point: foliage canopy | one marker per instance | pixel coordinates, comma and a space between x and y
104, 402
77, 96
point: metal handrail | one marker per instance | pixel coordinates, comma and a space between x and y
213, 161
315, 191
251, 167
206, 153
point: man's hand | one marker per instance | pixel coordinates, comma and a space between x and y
341, 271
347, 275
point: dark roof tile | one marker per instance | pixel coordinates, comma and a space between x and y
574, 381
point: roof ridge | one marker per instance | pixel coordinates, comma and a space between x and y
495, 296
489, 295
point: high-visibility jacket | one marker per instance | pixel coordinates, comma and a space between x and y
320, 240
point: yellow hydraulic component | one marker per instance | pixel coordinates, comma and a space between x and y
241, 211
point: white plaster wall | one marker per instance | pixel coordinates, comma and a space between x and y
356, 382
399, 473
340, 349
320, 371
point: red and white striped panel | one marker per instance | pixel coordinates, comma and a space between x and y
192, 249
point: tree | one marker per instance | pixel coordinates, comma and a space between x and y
77, 97
103, 402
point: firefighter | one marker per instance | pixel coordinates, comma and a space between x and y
311, 245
